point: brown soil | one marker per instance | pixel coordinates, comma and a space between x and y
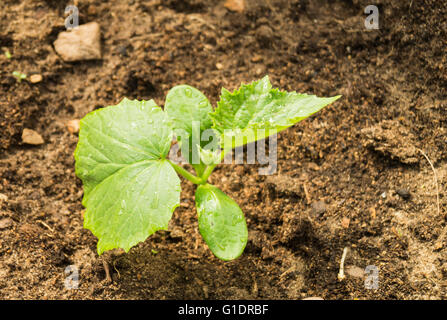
352, 176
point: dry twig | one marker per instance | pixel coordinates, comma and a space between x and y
341, 273
435, 178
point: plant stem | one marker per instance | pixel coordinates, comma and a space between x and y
194, 179
209, 169
185, 173
206, 174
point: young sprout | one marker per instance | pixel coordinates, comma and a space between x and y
130, 187
8, 54
19, 76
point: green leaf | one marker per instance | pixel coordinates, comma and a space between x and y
221, 222
130, 190
19, 76
132, 204
189, 109
256, 111
209, 156
8, 54
184, 105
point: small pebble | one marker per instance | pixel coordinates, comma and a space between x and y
345, 222
73, 126
3, 198
265, 33
5, 223
35, 78
235, 5
82, 43
122, 50
92, 10
313, 298
31, 137
319, 208
256, 58
404, 193
355, 272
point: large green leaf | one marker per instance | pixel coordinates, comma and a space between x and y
130, 190
221, 222
189, 110
256, 111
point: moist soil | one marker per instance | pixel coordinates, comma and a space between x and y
356, 175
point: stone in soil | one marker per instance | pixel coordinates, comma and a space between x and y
318, 208
235, 5
73, 126
5, 223
82, 43
345, 222
355, 272
35, 78
404, 193
265, 34
31, 137
3, 198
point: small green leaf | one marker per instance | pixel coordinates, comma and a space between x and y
189, 110
8, 54
209, 156
221, 222
130, 190
19, 76
256, 111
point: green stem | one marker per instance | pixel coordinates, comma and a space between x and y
209, 169
206, 174
186, 174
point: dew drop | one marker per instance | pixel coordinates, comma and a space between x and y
188, 92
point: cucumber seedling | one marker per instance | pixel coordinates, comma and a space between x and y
131, 188
19, 76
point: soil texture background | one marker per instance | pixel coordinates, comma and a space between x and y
354, 175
